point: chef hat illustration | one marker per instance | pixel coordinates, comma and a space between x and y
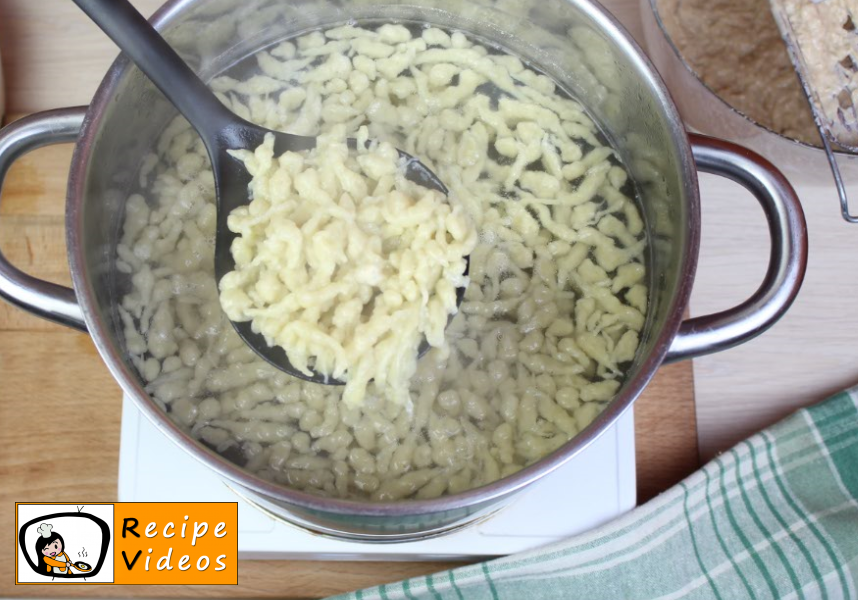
45, 529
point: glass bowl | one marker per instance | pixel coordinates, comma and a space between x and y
706, 112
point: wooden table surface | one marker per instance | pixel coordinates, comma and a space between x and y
59, 407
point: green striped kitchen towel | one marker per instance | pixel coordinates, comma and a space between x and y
775, 517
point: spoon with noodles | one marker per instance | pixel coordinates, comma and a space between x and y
221, 130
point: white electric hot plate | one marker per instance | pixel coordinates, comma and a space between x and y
596, 486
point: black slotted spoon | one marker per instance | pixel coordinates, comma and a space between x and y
221, 130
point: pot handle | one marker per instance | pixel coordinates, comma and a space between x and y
42, 298
787, 261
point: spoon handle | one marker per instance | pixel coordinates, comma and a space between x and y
157, 59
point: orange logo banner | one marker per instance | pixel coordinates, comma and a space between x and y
130, 543
187, 543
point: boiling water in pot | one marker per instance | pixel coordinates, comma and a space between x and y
551, 317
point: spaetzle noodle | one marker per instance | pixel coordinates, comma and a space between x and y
553, 310
343, 261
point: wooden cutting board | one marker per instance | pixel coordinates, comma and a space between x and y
59, 407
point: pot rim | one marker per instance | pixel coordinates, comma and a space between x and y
112, 355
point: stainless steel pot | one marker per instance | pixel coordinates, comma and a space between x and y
574, 41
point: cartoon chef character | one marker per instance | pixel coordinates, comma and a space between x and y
50, 549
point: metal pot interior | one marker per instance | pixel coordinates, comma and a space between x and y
572, 41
